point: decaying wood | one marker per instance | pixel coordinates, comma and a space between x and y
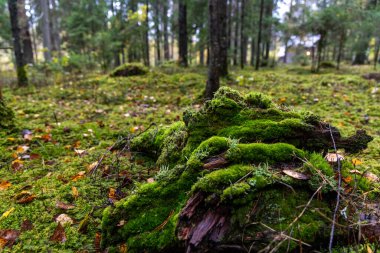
372, 76
215, 162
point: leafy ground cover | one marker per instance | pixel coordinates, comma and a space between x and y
47, 163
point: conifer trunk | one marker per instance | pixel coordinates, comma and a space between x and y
182, 30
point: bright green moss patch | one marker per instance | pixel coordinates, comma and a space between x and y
6, 116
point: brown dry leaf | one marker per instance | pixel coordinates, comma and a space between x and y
34, 156
26, 225
59, 234
123, 248
150, 180
24, 197
333, 157
356, 172
371, 176
98, 239
75, 192
17, 165
8, 237
92, 166
296, 175
64, 206
46, 137
4, 185
112, 194
63, 219
78, 176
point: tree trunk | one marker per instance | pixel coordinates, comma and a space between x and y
166, 31
158, 32
22, 78
223, 40
268, 29
252, 51
182, 33
259, 35
146, 35
236, 34
340, 49
321, 43
243, 37
55, 29
46, 29
201, 54
377, 49
26, 40
217, 30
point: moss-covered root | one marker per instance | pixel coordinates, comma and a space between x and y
129, 69
6, 116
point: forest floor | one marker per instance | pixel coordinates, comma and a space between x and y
63, 130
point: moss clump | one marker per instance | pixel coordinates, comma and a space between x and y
129, 69
6, 116
223, 158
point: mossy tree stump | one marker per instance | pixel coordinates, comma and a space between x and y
129, 69
224, 183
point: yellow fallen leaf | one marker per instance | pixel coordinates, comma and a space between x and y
75, 192
7, 213
356, 161
369, 250
4, 185
11, 139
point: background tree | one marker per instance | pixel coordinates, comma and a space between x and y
182, 33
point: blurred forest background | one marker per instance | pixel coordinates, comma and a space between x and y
60, 36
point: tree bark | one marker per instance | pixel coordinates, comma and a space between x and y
321, 44
223, 40
166, 30
26, 40
259, 35
22, 78
46, 30
146, 34
217, 32
182, 33
236, 34
243, 37
157, 29
252, 62
55, 29
340, 49
377, 49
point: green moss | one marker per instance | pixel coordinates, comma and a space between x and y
129, 69
235, 191
6, 116
216, 181
258, 100
263, 153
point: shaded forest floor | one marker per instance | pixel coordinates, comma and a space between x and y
62, 131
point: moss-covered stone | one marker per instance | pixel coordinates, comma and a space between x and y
129, 69
223, 165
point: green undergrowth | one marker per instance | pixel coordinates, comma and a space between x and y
92, 114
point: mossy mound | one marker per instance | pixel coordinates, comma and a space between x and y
233, 176
129, 69
6, 116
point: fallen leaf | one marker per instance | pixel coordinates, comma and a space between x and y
75, 192
296, 175
371, 176
83, 225
26, 225
92, 166
34, 156
7, 213
63, 219
59, 234
333, 157
8, 237
64, 206
123, 248
17, 165
355, 172
46, 137
22, 149
11, 139
4, 185
347, 180
150, 180
24, 197
369, 250
356, 162
80, 152
112, 194
98, 239
78, 176
28, 137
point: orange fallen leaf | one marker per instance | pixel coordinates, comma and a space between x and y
4, 185
46, 137
78, 176
347, 180
59, 234
98, 239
